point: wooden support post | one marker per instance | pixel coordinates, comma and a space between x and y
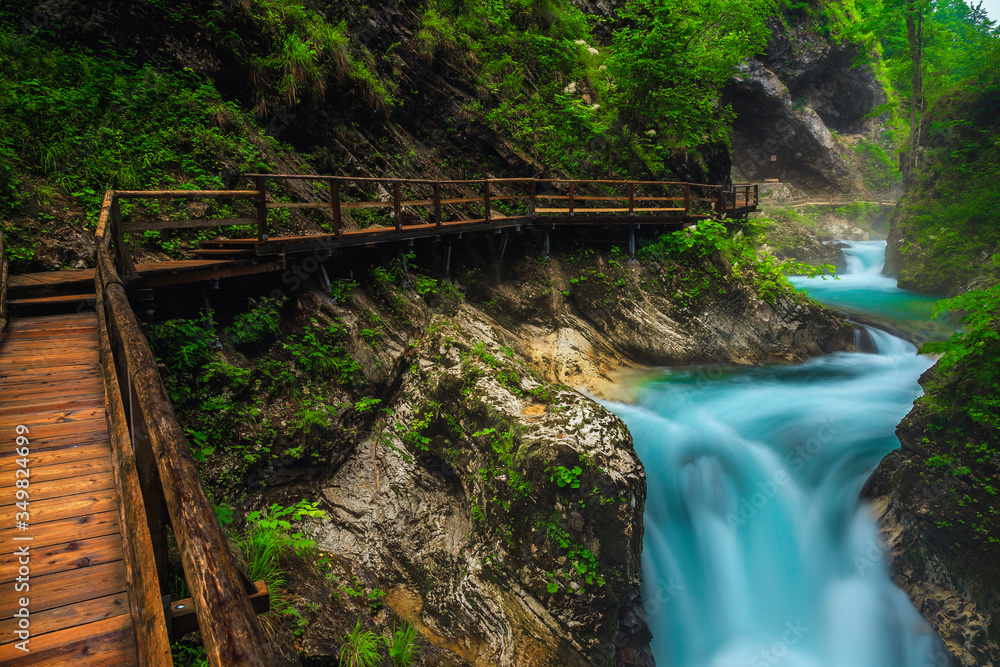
447, 262
121, 250
631, 242
571, 186
335, 202
547, 247
261, 209
756, 194
152, 489
631, 199
687, 199
397, 207
534, 185
486, 200
438, 220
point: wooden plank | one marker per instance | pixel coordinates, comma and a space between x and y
60, 415
285, 204
224, 252
65, 530
71, 616
106, 643
57, 455
186, 194
62, 588
92, 482
66, 507
637, 209
54, 322
43, 431
58, 345
38, 386
48, 277
59, 471
103, 231
189, 224
43, 334
54, 361
65, 557
351, 205
184, 620
71, 399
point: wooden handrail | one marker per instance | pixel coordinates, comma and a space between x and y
111, 225
230, 630
3, 286
145, 603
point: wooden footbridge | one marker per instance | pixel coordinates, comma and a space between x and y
94, 468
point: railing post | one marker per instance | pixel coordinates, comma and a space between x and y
571, 187
152, 489
631, 199
121, 250
438, 220
261, 184
397, 207
756, 194
486, 200
335, 202
687, 199
534, 185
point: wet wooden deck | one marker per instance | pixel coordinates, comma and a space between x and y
51, 382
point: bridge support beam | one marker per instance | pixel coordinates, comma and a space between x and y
547, 247
631, 242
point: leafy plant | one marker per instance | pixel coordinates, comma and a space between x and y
259, 325
564, 476
360, 648
402, 645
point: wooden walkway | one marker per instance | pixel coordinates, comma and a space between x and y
107, 471
51, 382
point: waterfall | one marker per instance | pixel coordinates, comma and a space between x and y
757, 550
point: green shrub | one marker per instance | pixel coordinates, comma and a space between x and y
402, 645
360, 648
260, 324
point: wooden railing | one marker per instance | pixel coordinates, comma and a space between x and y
825, 200
486, 200
154, 470
4, 270
387, 206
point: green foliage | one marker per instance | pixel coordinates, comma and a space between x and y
695, 247
360, 648
83, 120
671, 59
879, 171
968, 385
259, 325
189, 656
402, 645
564, 476
320, 352
269, 537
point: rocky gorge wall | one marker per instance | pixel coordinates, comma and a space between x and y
805, 102
499, 507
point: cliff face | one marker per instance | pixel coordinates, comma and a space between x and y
935, 498
944, 238
804, 102
498, 507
